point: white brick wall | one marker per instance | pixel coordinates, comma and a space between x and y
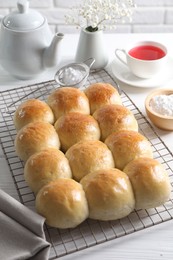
150, 15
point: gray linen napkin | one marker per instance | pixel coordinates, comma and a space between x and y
21, 231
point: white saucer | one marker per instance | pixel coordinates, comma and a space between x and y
122, 73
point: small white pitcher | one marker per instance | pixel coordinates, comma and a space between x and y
91, 44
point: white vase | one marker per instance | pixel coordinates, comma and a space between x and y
91, 45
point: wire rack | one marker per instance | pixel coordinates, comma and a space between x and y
90, 232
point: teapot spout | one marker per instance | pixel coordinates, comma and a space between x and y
51, 55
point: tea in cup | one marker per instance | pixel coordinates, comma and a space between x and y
144, 59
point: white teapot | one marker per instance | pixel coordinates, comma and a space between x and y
27, 45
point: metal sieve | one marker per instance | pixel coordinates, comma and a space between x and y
74, 74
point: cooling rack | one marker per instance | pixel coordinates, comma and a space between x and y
90, 232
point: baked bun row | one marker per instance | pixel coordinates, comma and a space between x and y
64, 100
73, 127
84, 157
105, 194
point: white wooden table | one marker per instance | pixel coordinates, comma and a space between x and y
152, 243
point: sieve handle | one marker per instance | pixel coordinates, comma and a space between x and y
89, 62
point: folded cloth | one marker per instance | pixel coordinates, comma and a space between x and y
21, 231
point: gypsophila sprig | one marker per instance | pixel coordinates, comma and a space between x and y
94, 15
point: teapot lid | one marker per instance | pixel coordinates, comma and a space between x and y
24, 18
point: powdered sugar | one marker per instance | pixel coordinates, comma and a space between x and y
71, 76
162, 104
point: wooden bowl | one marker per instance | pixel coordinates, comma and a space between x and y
161, 121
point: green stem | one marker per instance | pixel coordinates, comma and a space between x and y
91, 29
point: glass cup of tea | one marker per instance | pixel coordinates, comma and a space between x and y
144, 59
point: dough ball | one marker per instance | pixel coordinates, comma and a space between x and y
114, 118
35, 137
100, 94
32, 110
62, 203
68, 99
88, 156
109, 194
75, 127
44, 167
127, 146
150, 182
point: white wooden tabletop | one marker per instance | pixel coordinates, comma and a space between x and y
151, 243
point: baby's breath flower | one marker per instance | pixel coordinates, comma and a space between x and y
100, 14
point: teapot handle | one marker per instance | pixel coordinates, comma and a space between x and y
23, 6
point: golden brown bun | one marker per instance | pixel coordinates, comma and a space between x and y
88, 156
32, 110
150, 182
109, 194
75, 127
65, 100
127, 146
45, 166
35, 137
62, 203
100, 94
114, 118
